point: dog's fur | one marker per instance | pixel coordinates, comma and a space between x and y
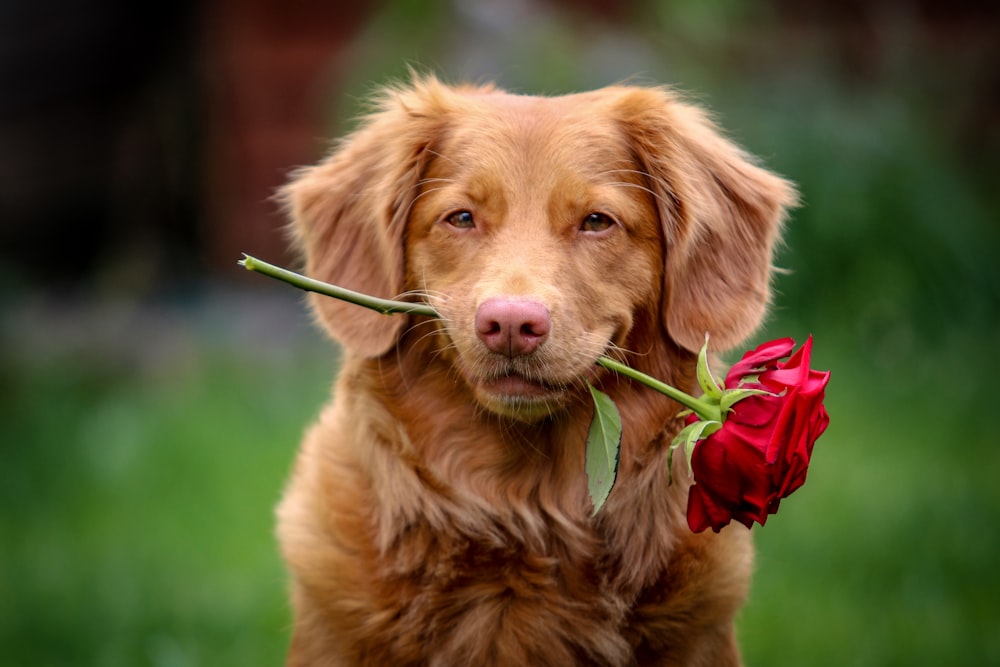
438, 513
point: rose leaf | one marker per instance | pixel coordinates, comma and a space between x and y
603, 446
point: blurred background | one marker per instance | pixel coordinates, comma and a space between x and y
152, 393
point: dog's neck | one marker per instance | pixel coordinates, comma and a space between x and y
452, 436
525, 481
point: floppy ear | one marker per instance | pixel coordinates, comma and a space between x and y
722, 215
348, 213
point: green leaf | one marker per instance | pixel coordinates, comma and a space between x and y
708, 383
688, 438
732, 396
603, 447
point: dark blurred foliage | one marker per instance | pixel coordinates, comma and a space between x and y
139, 144
99, 134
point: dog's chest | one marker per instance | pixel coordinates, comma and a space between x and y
449, 588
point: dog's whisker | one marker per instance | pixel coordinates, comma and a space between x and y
409, 206
659, 180
442, 156
418, 296
654, 194
425, 181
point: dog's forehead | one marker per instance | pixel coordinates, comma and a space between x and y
544, 135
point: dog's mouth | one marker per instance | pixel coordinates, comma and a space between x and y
515, 386
525, 396
515, 394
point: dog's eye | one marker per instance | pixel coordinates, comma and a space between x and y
596, 222
461, 220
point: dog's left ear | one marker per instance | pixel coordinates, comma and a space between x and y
722, 215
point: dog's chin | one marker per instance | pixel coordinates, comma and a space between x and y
517, 396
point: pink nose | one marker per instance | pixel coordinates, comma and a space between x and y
512, 327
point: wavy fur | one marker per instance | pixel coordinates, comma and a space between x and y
434, 520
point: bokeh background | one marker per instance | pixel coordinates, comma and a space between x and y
152, 393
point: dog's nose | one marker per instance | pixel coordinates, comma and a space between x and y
512, 327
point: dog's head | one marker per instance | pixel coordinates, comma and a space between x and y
542, 229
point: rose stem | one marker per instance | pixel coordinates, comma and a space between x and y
384, 306
388, 306
701, 408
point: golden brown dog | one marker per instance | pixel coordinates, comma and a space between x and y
438, 512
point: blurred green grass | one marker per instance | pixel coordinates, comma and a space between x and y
137, 522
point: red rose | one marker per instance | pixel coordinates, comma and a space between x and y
761, 452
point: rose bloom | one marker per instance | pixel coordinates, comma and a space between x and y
761, 453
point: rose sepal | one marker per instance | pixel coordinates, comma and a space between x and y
732, 396
688, 438
709, 385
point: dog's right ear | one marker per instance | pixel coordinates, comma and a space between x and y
721, 214
348, 213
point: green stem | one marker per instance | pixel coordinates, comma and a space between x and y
701, 408
386, 306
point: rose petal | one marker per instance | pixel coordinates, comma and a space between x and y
704, 512
764, 356
710, 462
697, 512
755, 411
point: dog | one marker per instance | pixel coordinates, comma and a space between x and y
438, 513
